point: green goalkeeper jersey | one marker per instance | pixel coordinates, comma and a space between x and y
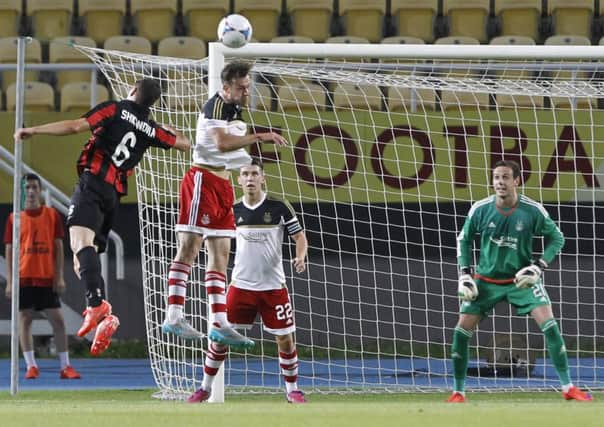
506, 238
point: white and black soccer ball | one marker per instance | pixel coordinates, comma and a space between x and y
234, 31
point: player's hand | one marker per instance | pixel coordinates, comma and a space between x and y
23, 133
299, 264
467, 289
273, 137
59, 286
528, 276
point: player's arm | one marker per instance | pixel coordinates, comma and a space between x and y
64, 127
59, 262
226, 142
8, 254
182, 142
554, 240
299, 261
466, 287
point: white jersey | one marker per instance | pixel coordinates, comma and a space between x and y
259, 253
219, 114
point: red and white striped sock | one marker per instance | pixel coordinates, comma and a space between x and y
289, 369
177, 289
214, 359
215, 283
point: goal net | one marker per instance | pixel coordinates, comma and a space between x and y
386, 156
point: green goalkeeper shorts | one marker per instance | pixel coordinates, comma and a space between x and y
489, 294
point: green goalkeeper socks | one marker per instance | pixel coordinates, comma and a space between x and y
459, 356
556, 349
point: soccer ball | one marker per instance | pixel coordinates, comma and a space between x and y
234, 31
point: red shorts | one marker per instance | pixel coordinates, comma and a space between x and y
206, 204
273, 305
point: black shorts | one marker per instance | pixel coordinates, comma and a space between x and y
94, 205
38, 298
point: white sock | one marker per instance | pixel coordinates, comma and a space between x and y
174, 312
566, 387
289, 387
30, 359
221, 318
64, 359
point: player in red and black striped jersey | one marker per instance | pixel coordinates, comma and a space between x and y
121, 133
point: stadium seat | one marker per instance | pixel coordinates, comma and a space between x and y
467, 18
348, 40
363, 19
10, 17
153, 19
101, 19
348, 96
8, 55
572, 17
519, 17
182, 47
61, 51
187, 97
402, 40
292, 39
38, 97
264, 16
202, 17
262, 96
415, 18
76, 97
134, 44
50, 18
406, 99
311, 18
302, 97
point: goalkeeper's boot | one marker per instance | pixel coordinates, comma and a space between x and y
199, 396
68, 373
226, 335
296, 396
456, 397
575, 393
182, 329
103, 335
93, 316
32, 373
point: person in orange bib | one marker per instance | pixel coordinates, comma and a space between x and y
41, 274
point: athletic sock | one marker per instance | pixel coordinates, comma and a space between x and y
215, 283
556, 349
30, 359
459, 356
177, 289
289, 369
214, 359
90, 272
64, 359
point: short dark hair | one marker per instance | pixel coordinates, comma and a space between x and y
514, 166
148, 91
235, 70
257, 162
31, 177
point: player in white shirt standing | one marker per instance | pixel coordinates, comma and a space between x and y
206, 205
258, 282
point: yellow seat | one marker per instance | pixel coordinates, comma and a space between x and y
363, 19
467, 18
519, 17
10, 17
402, 40
102, 19
50, 18
61, 51
348, 40
76, 97
154, 19
415, 18
38, 97
182, 47
263, 15
302, 96
134, 44
347, 96
8, 55
311, 18
202, 17
572, 17
262, 97
406, 99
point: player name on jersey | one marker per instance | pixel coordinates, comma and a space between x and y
140, 125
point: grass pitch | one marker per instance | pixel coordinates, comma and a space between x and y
117, 408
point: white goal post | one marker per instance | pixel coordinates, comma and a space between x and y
390, 144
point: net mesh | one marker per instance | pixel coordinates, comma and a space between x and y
385, 158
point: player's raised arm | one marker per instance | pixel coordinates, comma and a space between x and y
228, 142
182, 142
64, 127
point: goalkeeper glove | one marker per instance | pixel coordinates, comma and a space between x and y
528, 276
467, 289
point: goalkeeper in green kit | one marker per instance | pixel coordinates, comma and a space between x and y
507, 223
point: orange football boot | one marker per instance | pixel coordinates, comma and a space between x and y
575, 393
103, 335
456, 397
32, 373
93, 316
68, 373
